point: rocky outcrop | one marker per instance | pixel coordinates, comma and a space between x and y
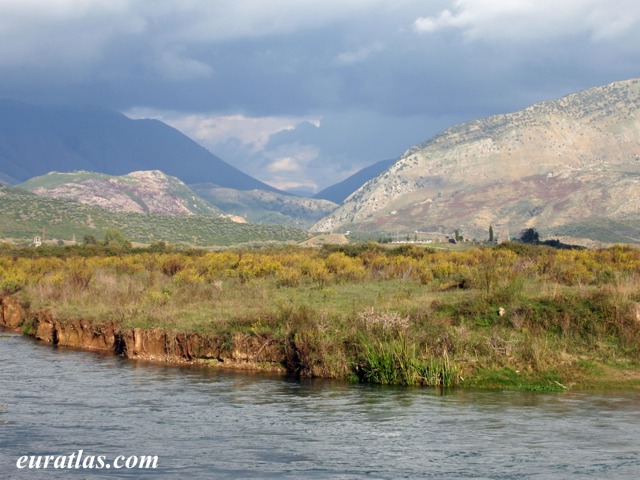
138, 192
12, 314
240, 351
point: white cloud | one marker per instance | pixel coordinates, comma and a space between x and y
360, 54
175, 66
212, 130
432, 24
285, 165
290, 166
535, 19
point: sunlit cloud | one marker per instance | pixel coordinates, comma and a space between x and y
531, 20
285, 164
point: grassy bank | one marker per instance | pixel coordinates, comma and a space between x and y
513, 316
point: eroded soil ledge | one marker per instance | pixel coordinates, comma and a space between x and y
239, 351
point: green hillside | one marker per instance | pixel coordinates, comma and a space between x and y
24, 215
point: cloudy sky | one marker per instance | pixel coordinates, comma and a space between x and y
301, 93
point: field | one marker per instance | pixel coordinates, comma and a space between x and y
512, 316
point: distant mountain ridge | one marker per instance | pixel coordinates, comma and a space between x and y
259, 206
35, 140
137, 192
340, 191
566, 167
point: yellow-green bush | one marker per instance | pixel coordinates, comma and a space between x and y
345, 268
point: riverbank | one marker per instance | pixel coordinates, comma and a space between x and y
248, 352
510, 317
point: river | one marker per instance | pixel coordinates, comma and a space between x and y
216, 424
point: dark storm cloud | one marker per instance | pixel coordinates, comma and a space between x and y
303, 92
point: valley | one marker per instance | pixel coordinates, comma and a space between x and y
569, 168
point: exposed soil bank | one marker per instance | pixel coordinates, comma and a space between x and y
240, 351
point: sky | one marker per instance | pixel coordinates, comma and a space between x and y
301, 94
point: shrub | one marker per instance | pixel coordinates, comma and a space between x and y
79, 273
12, 282
172, 264
288, 277
344, 267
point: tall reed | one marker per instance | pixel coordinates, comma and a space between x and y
397, 362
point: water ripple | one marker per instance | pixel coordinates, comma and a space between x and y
206, 423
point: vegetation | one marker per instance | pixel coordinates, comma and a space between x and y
24, 215
517, 315
529, 235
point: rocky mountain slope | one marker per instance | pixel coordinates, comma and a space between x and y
260, 206
35, 140
340, 191
566, 167
137, 192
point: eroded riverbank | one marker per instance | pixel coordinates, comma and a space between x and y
239, 351
242, 351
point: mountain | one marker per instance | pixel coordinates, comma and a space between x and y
137, 192
565, 167
35, 140
24, 215
340, 191
260, 206
7, 180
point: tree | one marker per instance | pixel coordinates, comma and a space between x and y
491, 233
115, 240
89, 240
529, 235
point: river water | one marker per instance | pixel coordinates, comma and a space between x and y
209, 423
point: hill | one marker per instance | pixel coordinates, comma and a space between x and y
35, 140
260, 206
340, 191
137, 192
24, 215
566, 167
